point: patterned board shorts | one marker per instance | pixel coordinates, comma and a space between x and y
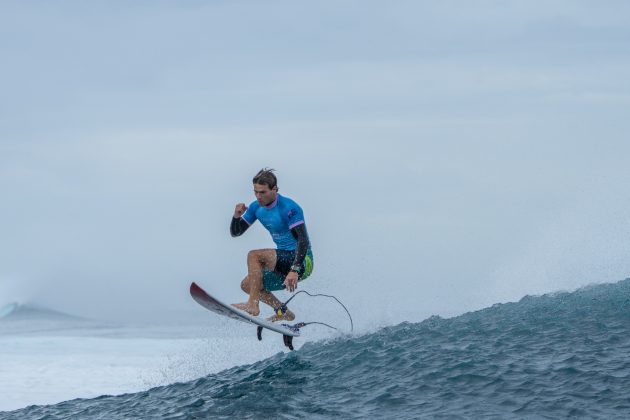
274, 280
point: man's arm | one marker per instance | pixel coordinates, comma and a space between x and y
299, 233
238, 227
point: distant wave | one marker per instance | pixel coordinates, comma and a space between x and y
27, 319
15, 311
557, 355
7, 310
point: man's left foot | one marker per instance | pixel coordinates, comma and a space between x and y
287, 316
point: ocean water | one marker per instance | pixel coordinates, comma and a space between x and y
553, 356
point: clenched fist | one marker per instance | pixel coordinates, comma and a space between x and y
239, 210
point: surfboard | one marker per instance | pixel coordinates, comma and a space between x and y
213, 304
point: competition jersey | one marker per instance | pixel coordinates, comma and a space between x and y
278, 218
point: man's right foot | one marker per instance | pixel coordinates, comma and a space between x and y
287, 316
253, 310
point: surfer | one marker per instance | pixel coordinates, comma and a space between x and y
273, 269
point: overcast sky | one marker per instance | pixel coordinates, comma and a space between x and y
447, 155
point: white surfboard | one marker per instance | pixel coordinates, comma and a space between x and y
215, 305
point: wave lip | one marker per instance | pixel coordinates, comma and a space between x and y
557, 355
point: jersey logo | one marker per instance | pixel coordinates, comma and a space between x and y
292, 213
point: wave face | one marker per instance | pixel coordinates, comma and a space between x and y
557, 355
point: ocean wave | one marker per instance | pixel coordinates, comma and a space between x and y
557, 355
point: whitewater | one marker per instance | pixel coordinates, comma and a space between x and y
556, 355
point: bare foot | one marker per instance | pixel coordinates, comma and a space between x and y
251, 309
287, 316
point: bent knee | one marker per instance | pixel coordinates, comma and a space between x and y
245, 285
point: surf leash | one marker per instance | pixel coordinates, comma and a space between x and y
282, 309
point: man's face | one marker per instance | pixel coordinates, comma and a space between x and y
264, 194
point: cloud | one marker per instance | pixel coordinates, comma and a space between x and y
431, 146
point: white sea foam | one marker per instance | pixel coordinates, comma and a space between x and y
44, 365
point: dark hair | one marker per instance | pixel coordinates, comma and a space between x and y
266, 177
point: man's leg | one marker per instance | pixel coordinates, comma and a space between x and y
271, 300
257, 261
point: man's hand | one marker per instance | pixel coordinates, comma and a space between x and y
239, 210
291, 281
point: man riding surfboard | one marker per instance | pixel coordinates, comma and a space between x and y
273, 269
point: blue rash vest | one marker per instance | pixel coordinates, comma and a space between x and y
278, 218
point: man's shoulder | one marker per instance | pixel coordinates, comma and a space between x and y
286, 201
254, 205
291, 211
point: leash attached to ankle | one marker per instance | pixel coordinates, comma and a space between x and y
281, 310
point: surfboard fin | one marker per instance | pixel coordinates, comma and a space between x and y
288, 340
259, 333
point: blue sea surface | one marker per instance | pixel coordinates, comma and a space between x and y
553, 356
